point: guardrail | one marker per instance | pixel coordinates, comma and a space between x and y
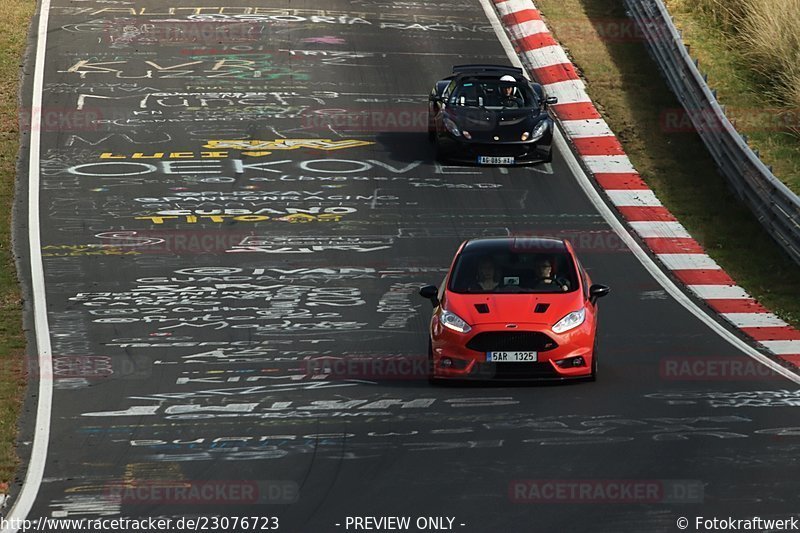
776, 207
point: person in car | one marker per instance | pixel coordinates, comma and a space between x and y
545, 278
486, 277
508, 96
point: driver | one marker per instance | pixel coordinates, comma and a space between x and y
507, 90
546, 280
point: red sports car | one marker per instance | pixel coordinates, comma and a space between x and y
514, 308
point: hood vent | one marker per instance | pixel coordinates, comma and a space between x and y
541, 308
482, 308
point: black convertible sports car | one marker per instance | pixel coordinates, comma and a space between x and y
490, 115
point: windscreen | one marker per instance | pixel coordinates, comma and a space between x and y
493, 94
507, 270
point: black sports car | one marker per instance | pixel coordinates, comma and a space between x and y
490, 115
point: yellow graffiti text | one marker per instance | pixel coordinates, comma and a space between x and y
286, 144
165, 155
295, 218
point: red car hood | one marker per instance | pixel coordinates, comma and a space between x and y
513, 308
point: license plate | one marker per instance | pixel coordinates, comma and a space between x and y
492, 160
511, 357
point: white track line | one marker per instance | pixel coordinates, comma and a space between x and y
619, 229
41, 438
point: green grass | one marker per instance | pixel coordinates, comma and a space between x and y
14, 19
736, 73
630, 93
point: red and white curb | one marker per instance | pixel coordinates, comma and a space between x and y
602, 154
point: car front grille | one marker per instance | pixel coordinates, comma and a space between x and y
511, 341
501, 150
541, 370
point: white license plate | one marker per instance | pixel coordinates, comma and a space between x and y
492, 160
511, 357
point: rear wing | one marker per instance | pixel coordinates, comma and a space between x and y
500, 69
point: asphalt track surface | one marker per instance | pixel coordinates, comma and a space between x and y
186, 362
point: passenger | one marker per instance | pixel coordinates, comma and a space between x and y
486, 278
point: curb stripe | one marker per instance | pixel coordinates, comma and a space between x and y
608, 145
689, 262
704, 277
506, 7
793, 359
647, 214
774, 334
753, 320
575, 111
621, 180
660, 229
666, 245
734, 305
555, 74
719, 292
783, 347
518, 17
567, 92
522, 29
604, 164
586, 128
547, 57
535, 41
633, 198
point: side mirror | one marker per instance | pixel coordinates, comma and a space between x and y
430, 292
433, 97
598, 291
550, 100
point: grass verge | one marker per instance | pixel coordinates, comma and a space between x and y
627, 88
15, 16
751, 56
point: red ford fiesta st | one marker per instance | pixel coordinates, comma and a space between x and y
514, 308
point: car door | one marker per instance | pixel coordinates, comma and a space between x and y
438, 104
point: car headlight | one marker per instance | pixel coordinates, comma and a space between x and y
466, 134
525, 136
451, 127
540, 130
454, 322
571, 321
